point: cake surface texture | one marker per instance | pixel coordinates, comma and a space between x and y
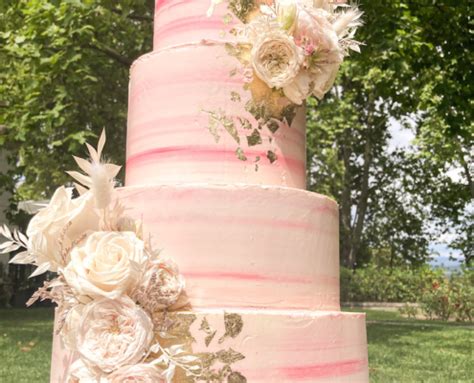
216, 170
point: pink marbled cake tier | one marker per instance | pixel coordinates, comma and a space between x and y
184, 21
276, 346
174, 94
245, 246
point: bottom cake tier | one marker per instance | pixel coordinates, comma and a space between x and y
260, 346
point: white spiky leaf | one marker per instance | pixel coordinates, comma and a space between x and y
348, 19
101, 143
93, 153
81, 178
22, 258
80, 189
41, 269
83, 164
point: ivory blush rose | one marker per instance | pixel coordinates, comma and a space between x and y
107, 264
276, 59
72, 217
161, 285
113, 333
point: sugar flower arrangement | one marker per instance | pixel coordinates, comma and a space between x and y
295, 46
111, 287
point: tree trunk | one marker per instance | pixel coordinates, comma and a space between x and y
363, 202
346, 205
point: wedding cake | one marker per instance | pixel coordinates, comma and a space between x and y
212, 263
216, 171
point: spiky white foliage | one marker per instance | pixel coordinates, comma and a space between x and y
99, 176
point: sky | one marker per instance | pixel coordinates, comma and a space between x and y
441, 253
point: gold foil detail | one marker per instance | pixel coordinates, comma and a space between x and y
240, 154
211, 333
272, 157
234, 96
236, 377
233, 326
242, 8
254, 138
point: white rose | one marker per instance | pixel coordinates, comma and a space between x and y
113, 333
161, 286
276, 59
63, 215
108, 264
138, 373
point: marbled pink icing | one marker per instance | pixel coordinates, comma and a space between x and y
245, 246
168, 137
185, 21
283, 346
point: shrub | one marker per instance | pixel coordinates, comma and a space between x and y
439, 297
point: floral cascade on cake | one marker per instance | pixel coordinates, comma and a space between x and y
288, 50
115, 294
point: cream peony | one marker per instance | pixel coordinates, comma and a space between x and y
108, 264
113, 333
138, 373
72, 216
276, 59
160, 287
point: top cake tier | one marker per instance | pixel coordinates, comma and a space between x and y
186, 21
196, 114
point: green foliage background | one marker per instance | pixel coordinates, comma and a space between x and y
64, 77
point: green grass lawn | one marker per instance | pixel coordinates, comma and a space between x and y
400, 350
25, 345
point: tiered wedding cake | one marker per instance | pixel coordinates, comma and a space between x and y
216, 171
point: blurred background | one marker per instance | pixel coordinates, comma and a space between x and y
392, 143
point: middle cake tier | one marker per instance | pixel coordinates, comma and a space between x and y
195, 117
245, 246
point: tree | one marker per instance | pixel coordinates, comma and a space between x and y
404, 73
64, 78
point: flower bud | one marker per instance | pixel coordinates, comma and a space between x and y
287, 13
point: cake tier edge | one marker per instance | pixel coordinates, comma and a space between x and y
244, 246
263, 346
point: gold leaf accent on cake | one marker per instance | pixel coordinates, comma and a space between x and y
214, 128
208, 330
273, 125
242, 8
235, 96
246, 124
289, 113
227, 18
272, 157
240, 154
229, 356
233, 326
236, 377
254, 138
227, 123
